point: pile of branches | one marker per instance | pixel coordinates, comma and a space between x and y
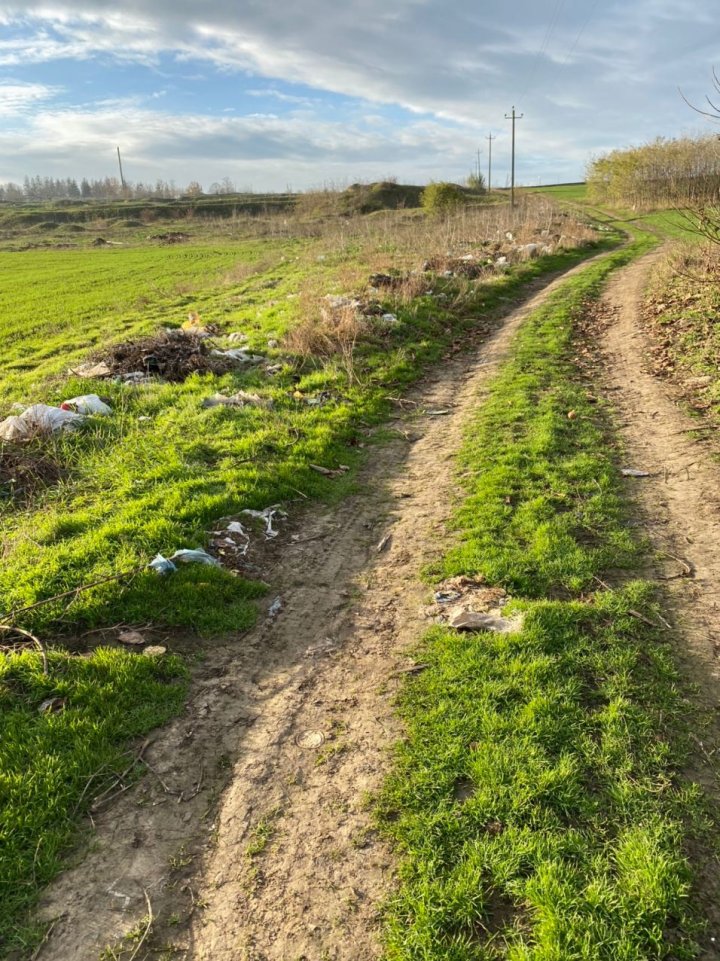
172, 355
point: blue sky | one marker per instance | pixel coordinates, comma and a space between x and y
322, 92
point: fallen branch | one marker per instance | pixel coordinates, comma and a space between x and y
107, 795
75, 590
31, 637
150, 919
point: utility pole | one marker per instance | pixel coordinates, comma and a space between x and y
513, 116
122, 179
478, 166
490, 139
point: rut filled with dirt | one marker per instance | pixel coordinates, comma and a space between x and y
678, 508
249, 836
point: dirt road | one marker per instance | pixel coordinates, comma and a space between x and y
249, 836
678, 508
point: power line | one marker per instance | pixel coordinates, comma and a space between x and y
559, 4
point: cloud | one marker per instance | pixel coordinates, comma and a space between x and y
598, 73
16, 98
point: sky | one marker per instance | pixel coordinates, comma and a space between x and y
330, 92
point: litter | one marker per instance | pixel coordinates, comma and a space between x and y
631, 472
272, 343
240, 399
199, 556
237, 338
472, 621
275, 607
467, 604
38, 419
267, 516
326, 472
91, 370
155, 650
310, 739
87, 404
238, 355
389, 319
52, 705
384, 543
164, 565
132, 638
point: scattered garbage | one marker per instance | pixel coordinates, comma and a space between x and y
237, 338
327, 472
39, 419
239, 399
631, 472
155, 650
468, 604
131, 638
172, 237
267, 516
238, 356
389, 319
309, 740
91, 370
165, 565
87, 404
275, 607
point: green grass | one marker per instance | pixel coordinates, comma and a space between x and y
54, 763
161, 471
534, 803
573, 193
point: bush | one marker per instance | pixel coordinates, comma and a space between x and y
441, 197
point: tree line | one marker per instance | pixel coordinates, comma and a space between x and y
107, 188
683, 172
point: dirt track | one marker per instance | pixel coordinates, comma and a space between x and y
289, 726
273, 854
678, 508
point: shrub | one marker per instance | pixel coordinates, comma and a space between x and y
441, 197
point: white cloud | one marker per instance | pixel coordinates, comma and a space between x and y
600, 73
16, 98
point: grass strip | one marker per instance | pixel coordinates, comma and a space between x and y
534, 802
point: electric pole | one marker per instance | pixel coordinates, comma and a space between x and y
513, 116
490, 139
478, 167
122, 179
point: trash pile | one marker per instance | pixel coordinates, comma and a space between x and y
468, 604
230, 542
172, 354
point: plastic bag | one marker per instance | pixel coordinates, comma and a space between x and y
38, 419
87, 404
